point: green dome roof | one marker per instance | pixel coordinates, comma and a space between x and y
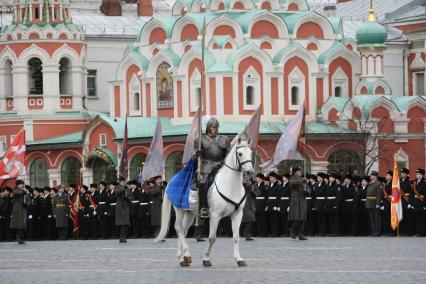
371, 34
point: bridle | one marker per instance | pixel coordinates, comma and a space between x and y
238, 162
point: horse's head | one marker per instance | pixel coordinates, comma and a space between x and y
243, 155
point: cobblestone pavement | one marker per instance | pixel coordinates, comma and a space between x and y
318, 260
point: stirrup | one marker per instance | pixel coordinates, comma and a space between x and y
204, 213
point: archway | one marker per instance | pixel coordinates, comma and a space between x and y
173, 164
8, 78
70, 171
136, 166
38, 173
65, 79
103, 164
345, 161
35, 76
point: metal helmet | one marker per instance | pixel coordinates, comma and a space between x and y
213, 122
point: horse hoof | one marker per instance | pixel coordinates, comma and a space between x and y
187, 259
207, 263
241, 263
184, 264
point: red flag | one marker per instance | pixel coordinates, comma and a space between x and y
75, 206
123, 161
13, 163
291, 145
251, 131
396, 205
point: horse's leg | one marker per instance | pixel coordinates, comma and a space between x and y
236, 222
188, 218
179, 231
214, 221
187, 222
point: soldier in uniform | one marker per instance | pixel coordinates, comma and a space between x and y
261, 196
319, 204
310, 199
297, 213
30, 230
386, 204
46, 213
374, 197
18, 220
406, 225
112, 204
332, 203
284, 205
363, 221
214, 148
134, 208
143, 212
122, 210
103, 204
83, 215
61, 212
272, 204
249, 209
350, 206
419, 203
156, 197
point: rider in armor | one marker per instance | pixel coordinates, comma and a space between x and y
214, 148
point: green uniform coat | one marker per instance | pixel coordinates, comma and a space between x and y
250, 205
374, 195
19, 211
156, 195
61, 210
298, 189
122, 210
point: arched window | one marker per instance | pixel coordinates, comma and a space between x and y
285, 166
70, 171
173, 164
35, 76
65, 79
295, 95
136, 101
338, 92
136, 166
38, 173
8, 79
250, 95
345, 161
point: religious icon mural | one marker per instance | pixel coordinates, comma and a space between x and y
164, 86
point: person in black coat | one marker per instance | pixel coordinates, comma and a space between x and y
261, 196
83, 213
31, 214
310, 201
272, 206
143, 211
385, 206
350, 206
406, 227
319, 204
332, 201
284, 205
112, 204
134, 208
103, 204
419, 202
93, 211
46, 214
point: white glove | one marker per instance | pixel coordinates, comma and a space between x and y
409, 206
377, 206
49, 216
94, 213
382, 208
106, 213
288, 209
266, 208
275, 208
279, 209
30, 216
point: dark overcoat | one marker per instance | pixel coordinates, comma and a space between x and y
298, 190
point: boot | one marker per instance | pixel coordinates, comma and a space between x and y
204, 210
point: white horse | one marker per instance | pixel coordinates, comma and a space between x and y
226, 197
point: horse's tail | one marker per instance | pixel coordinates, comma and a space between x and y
165, 218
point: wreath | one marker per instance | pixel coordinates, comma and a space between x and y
96, 154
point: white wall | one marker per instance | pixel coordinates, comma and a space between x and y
394, 69
104, 55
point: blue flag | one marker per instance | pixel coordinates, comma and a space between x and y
180, 185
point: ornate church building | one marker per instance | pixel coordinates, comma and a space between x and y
277, 54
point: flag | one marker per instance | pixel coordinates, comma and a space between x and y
154, 161
396, 205
12, 164
192, 135
124, 161
251, 131
290, 146
75, 206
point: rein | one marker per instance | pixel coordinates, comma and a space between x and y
240, 164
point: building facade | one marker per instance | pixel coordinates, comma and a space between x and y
278, 54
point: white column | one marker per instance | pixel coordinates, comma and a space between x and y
51, 87
235, 95
54, 176
31, 12
40, 9
219, 96
21, 90
60, 12
77, 87
2, 93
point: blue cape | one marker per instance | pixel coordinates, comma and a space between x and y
180, 185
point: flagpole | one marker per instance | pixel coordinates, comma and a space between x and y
200, 108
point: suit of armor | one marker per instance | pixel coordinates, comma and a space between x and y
214, 149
